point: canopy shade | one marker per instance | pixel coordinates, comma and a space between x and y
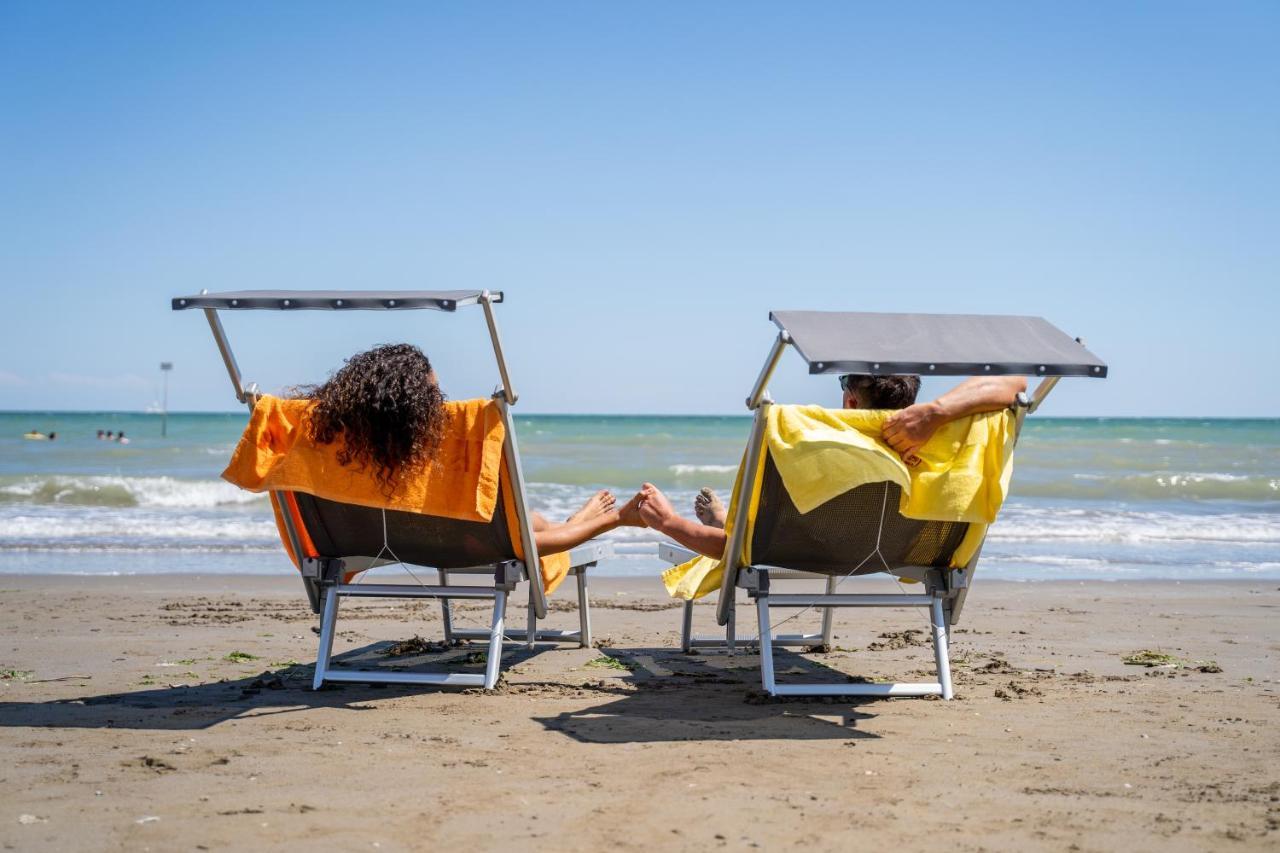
334, 300
935, 344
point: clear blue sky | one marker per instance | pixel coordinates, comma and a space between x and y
645, 181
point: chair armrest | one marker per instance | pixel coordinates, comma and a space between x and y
590, 552
669, 552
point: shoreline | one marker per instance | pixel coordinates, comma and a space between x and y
638, 578
1266, 576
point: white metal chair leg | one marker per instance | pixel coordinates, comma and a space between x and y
327, 618
531, 631
766, 645
686, 628
445, 613
495, 640
584, 611
828, 614
940, 644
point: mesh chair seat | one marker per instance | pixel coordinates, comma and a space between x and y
343, 530
836, 537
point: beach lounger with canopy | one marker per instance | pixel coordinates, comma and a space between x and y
838, 538
349, 538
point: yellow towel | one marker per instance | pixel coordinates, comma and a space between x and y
822, 453
460, 481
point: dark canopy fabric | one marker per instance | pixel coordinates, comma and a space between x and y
333, 300
935, 344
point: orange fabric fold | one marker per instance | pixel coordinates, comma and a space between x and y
276, 454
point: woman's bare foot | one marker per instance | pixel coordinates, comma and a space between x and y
709, 509
602, 501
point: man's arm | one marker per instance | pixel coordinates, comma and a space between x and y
907, 430
657, 513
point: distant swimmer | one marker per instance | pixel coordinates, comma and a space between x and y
120, 437
111, 436
37, 435
101, 435
52, 436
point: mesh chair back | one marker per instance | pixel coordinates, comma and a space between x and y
346, 530
835, 537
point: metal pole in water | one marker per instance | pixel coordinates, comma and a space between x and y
165, 367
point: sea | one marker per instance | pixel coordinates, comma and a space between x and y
1092, 498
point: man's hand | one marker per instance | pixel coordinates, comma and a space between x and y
907, 430
655, 510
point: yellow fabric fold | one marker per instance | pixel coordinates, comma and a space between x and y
821, 453
460, 481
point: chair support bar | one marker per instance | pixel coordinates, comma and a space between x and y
937, 619
388, 590
855, 600
228, 357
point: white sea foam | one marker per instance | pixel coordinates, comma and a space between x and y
686, 470
1040, 524
116, 491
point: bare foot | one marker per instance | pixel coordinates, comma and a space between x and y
709, 509
601, 501
629, 513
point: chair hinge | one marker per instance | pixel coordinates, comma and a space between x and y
323, 568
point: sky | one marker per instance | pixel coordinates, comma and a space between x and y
645, 182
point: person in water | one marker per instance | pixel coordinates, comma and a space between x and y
387, 407
120, 437
906, 431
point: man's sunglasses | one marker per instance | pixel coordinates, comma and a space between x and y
848, 382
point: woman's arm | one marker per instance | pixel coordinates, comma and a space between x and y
556, 538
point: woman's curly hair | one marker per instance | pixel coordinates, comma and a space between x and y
385, 405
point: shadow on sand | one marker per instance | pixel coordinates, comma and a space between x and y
275, 691
665, 696
671, 696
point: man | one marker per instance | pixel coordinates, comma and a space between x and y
906, 432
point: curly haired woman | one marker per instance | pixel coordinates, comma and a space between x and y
387, 407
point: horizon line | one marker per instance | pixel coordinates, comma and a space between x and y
624, 414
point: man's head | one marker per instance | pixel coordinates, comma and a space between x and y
879, 392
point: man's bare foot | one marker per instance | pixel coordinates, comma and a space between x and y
629, 513
709, 509
601, 501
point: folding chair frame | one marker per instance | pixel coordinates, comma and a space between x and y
323, 578
945, 590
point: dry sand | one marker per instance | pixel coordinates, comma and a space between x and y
128, 726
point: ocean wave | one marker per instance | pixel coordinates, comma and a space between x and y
686, 470
107, 528
152, 548
1153, 486
1025, 524
115, 491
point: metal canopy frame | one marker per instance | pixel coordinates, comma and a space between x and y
935, 344
837, 342
325, 586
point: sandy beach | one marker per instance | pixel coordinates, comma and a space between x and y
172, 713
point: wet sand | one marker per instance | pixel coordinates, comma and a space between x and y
171, 713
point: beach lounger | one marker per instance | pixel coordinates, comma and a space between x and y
336, 540
861, 530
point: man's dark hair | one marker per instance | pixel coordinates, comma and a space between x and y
884, 392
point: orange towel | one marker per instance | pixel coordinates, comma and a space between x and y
460, 481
